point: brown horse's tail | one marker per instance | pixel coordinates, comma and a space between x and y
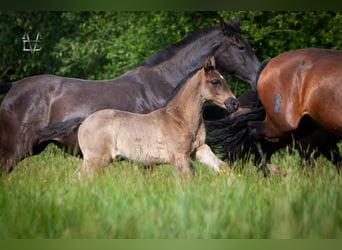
5, 87
59, 129
230, 137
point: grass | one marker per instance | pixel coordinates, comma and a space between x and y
42, 198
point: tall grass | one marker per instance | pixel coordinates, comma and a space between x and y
41, 198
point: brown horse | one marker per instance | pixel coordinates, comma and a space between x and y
38, 101
173, 134
298, 86
229, 135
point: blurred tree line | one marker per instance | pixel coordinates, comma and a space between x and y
104, 45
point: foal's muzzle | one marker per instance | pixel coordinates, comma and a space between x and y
231, 104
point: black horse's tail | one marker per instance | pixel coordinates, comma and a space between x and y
5, 87
59, 129
230, 136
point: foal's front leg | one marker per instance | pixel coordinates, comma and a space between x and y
205, 155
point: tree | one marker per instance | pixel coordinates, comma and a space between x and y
103, 45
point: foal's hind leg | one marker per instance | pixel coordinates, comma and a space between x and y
182, 164
92, 165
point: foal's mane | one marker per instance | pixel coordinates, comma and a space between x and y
179, 86
171, 50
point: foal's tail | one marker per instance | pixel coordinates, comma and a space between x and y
59, 129
230, 135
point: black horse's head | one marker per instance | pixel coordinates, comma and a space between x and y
235, 55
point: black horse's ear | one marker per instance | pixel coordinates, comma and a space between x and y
236, 23
209, 64
231, 27
224, 27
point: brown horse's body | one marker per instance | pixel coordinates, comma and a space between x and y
173, 134
297, 84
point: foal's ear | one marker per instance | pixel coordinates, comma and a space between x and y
209, 64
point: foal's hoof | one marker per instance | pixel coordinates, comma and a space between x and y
276, 170
228, 172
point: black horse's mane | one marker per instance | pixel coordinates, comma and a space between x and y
171, 49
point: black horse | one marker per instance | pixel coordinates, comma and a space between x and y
38, 101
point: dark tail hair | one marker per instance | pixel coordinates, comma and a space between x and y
58, 129
230, 135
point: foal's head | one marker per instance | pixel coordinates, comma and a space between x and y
214, 87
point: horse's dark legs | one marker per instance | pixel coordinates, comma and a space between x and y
260, 158
8, 128
12, 154
17, 142
332, 153
320, 142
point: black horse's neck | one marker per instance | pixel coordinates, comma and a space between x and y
177, 60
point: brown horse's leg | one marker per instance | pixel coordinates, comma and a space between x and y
255, 131
263, 161
332, 153
261, 130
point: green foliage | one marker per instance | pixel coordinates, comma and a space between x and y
102, 45
42, 198
92, 45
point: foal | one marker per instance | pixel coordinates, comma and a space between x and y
174, 134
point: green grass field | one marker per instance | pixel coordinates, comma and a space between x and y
42, 198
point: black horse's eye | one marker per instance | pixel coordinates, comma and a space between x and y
215, 82
241, 47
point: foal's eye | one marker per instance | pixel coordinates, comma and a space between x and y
215, 82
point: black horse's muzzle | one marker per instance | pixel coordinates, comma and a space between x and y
231, 104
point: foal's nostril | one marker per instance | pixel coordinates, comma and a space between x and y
236, 104
232, 104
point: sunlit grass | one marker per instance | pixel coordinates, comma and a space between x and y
42, 198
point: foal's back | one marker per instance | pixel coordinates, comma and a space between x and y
139, 137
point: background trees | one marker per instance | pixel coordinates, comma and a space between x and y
103, 45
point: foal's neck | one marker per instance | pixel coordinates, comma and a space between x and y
187, 105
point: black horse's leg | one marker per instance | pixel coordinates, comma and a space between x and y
262, 159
